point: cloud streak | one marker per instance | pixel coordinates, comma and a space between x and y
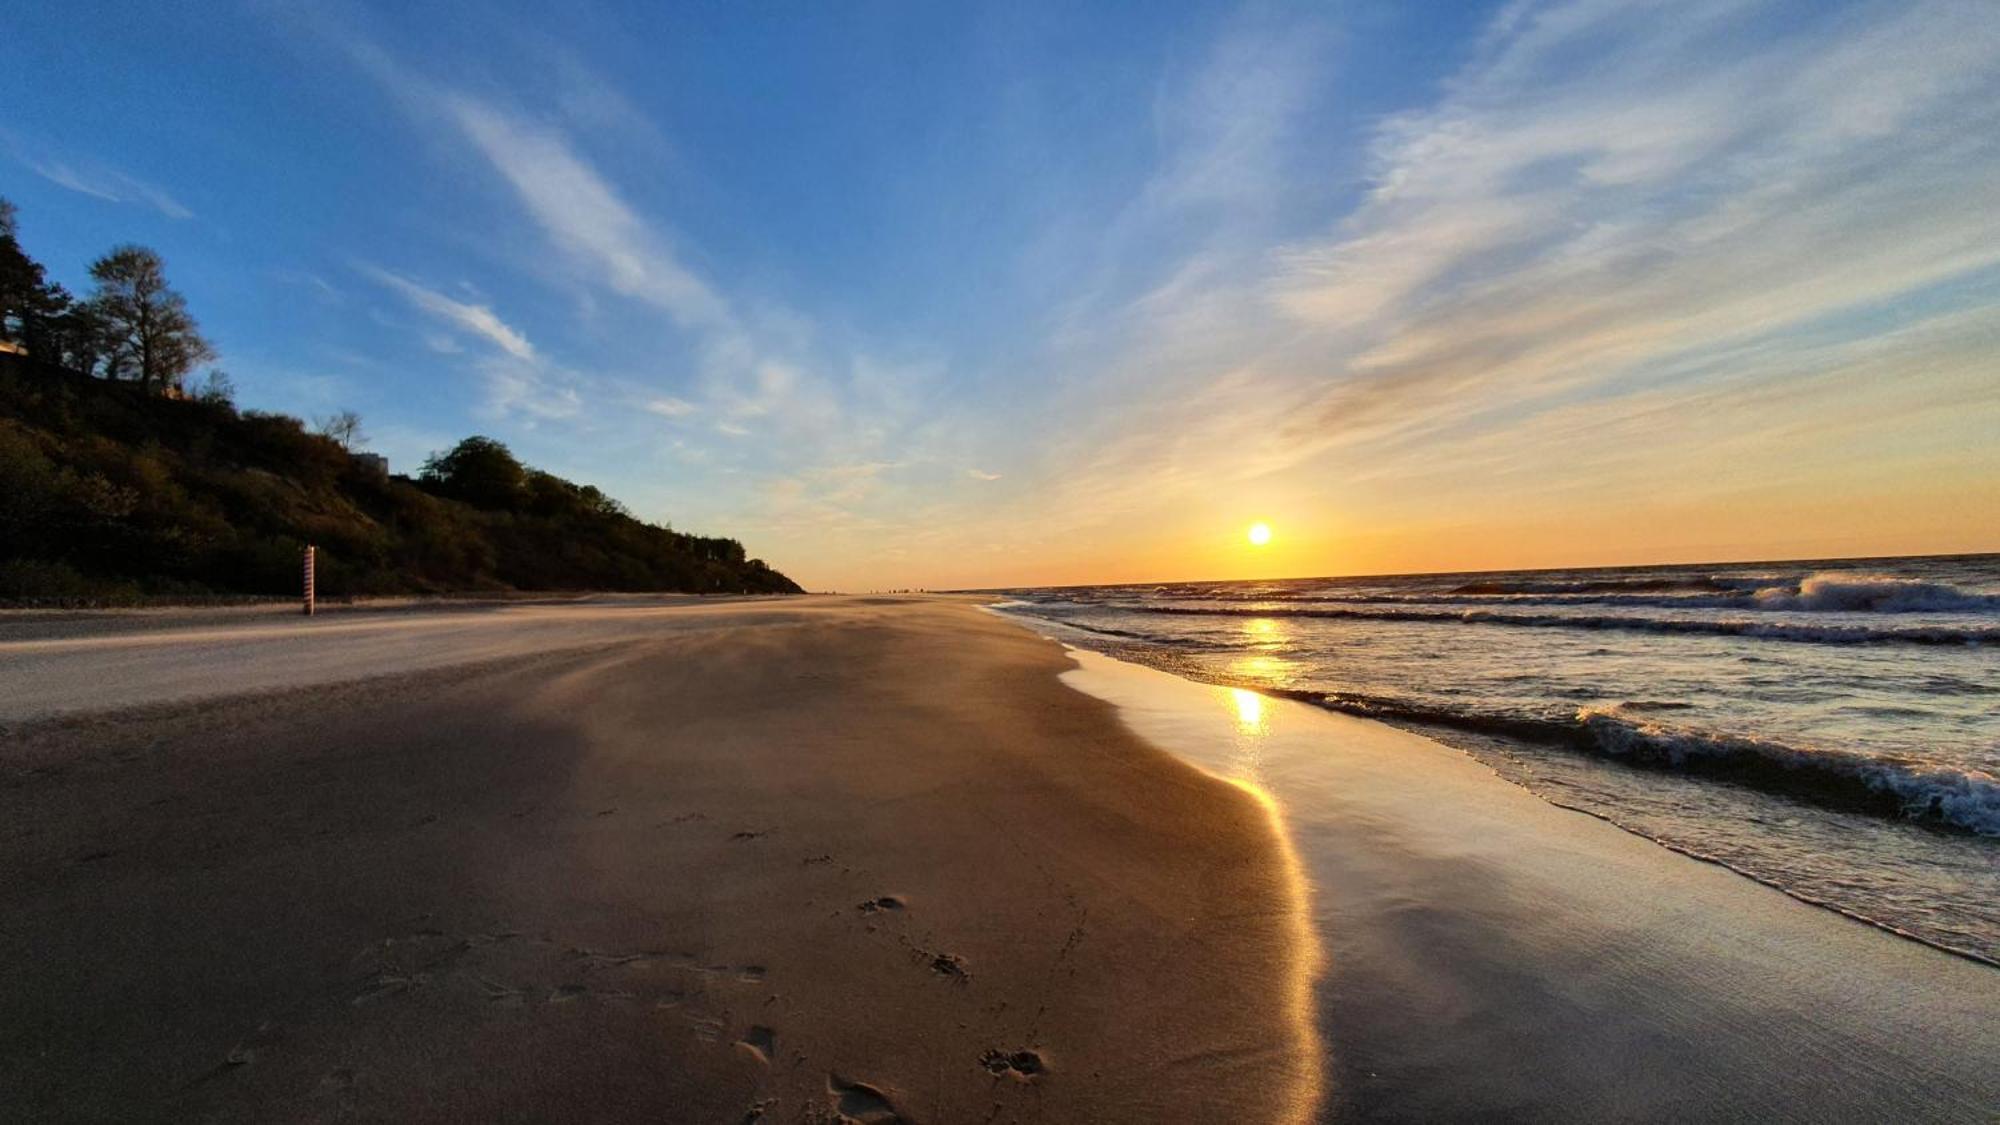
1542, 233
585, 216
476, 319
101, 181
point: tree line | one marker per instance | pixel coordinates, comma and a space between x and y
117, 485
132, 325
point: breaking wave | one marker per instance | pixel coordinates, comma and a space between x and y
1645, 585
1825, 592
1804, 632
1968, 800
1874, 593
1821, 592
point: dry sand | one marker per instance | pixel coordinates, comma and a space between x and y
757, 861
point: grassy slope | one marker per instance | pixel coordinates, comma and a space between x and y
107, 493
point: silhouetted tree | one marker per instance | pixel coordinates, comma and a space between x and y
30, 304
480, 471
148, 333
20, 275
343, 427
76, 337
216, 387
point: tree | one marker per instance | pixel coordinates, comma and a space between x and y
149, 334
20, 275
217, 388
30, 305
480, 471
76, 336
344, 427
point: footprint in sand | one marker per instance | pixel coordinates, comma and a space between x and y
501, 995
886, 902
1024, 1065
761, 1042
858, 1101
388, 984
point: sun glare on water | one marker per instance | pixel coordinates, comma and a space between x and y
1260, 534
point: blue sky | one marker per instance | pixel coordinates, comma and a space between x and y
954, 295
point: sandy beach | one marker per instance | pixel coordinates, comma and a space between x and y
784, 861
898, 859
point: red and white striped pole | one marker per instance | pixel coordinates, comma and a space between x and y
310, 551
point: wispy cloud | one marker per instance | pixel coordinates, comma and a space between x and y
1543, 232
519, 382
321, 289
1607, 198
531, 390
101, 181
750, 361
476, 319
584, 215
981, 474
670, 407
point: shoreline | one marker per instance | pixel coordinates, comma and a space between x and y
1490, 749
1490, 952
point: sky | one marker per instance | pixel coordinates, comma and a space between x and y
922, 295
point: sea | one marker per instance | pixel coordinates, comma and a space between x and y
1828, 727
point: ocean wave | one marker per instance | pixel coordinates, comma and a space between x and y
1874, 593
1803, 632
1821, 592
1967, 800
1119, 634
1690, 583
1962, 798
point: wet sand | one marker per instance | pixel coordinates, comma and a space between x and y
767, 861
1490, 956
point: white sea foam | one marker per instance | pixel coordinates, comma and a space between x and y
1803, 632
1968, 799
1836, 592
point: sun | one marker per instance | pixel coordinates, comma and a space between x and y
1260, 534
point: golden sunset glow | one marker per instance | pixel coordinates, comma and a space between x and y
1260, 534
1249, 710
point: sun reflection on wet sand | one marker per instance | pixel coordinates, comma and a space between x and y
1249, 711
1250, 716
1309, 1067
